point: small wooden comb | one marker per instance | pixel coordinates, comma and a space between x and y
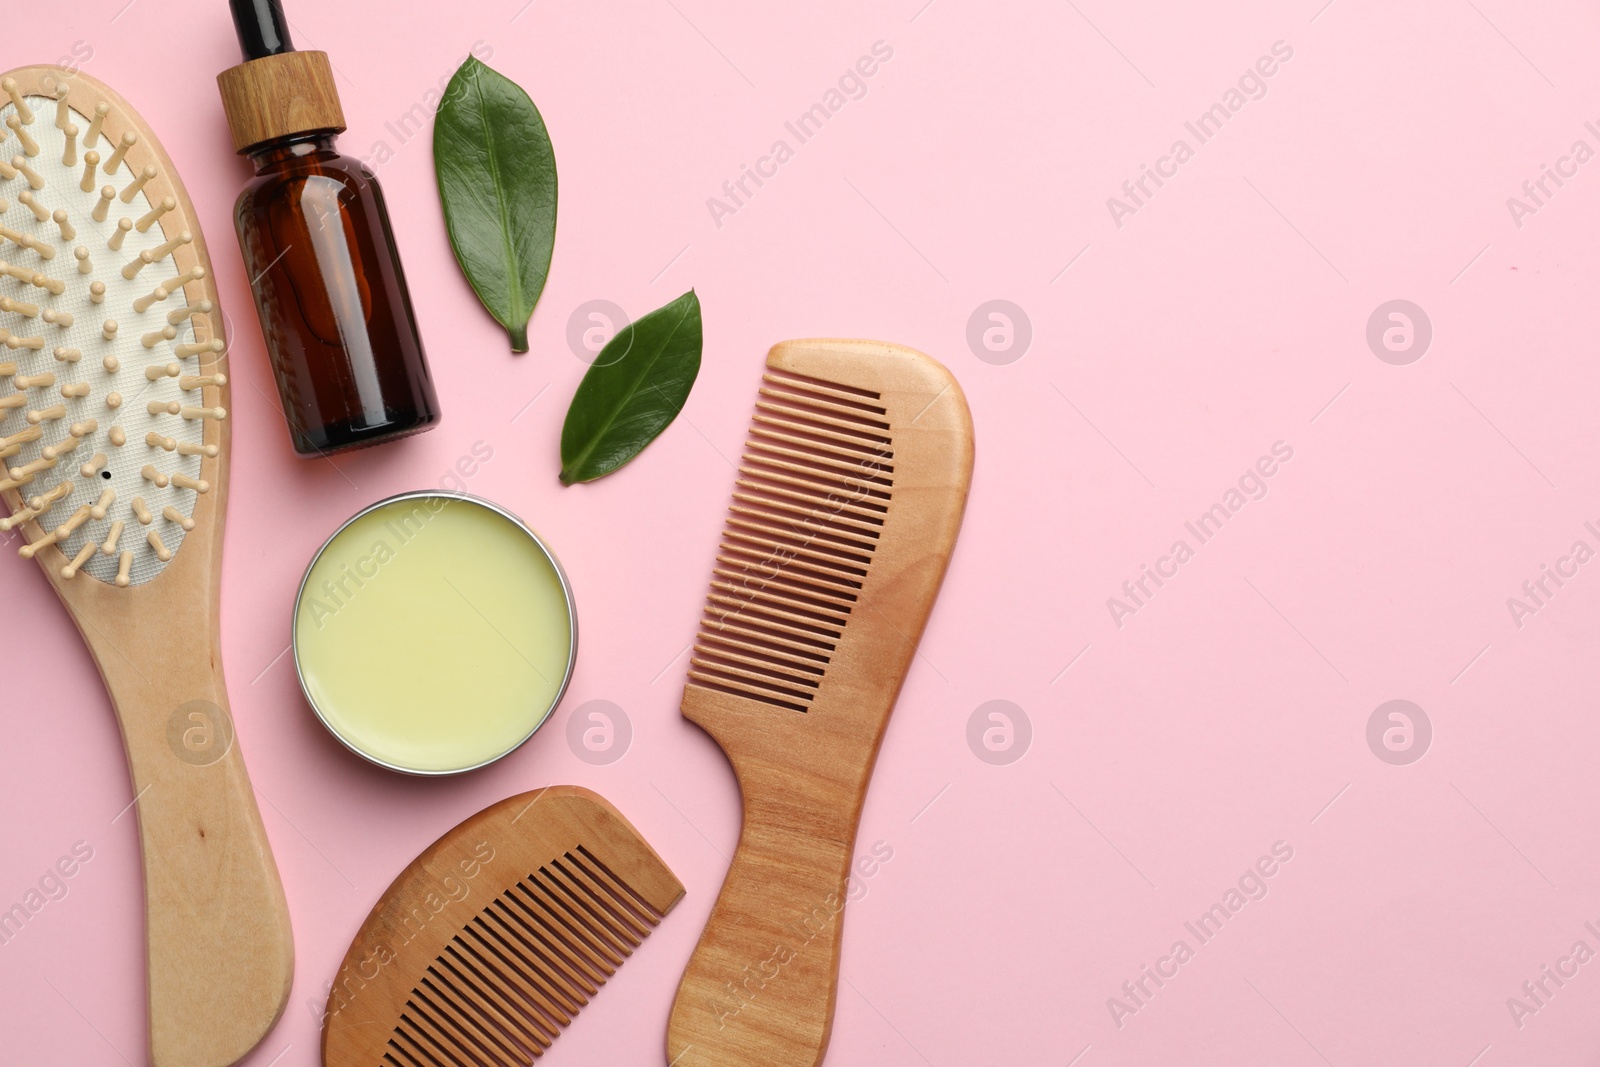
489, 943
845, 512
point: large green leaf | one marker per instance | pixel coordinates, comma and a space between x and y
497, 179
633, 391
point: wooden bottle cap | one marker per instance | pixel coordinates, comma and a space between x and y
279, 96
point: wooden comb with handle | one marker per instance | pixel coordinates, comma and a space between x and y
489, 943
846, 509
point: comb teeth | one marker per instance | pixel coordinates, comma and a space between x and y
521, 969
808, 507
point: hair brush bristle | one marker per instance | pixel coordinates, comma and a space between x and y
115, 372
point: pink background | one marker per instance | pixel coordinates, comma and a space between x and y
1227, 314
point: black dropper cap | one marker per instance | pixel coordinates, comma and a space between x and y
262, 28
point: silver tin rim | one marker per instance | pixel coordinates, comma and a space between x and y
466, 498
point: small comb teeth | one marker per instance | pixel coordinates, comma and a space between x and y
520, 970
808, 506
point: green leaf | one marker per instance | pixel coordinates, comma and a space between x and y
633, 391
497, 179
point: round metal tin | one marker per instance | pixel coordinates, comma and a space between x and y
566, 592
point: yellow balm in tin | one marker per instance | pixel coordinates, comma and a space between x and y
434, 632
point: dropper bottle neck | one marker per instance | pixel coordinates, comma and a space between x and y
272, 154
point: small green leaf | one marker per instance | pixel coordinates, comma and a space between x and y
633, 391
497, 179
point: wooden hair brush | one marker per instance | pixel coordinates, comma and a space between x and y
489, 943
846, 509
114, 445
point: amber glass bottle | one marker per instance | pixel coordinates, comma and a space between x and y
319, 252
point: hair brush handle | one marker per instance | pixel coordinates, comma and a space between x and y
218, 944
761, 985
